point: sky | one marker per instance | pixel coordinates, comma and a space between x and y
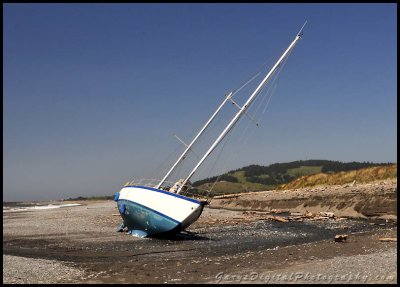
93, 93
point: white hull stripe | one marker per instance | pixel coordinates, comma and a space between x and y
166, 192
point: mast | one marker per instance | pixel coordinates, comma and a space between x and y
243, 108
194, 140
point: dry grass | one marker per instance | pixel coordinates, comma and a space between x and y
361, 176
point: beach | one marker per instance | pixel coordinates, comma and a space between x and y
79, 244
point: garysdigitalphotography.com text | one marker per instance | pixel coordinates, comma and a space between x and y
221, 277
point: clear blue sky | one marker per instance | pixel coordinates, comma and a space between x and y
93, 92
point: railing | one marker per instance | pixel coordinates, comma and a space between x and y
187, 190
149, 183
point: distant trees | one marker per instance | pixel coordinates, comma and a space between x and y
224, 177
279, 168
336, 166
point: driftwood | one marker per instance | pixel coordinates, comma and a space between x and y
278, 218
296, 218
388, 239
327, 214
226, 196
278, 211
250, 212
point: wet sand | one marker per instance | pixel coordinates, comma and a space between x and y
79, 245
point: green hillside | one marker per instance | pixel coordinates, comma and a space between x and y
258, 178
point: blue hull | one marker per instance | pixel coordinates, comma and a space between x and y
143, 221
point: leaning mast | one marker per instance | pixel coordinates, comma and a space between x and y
188, 147
244, 107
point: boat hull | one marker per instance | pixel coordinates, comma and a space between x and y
148, 211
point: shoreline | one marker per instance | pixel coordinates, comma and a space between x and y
80, 245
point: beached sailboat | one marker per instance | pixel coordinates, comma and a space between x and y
154, 209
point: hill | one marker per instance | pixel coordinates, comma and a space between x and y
257, 178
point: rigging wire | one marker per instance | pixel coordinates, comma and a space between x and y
216, 160
161, 168
276, 79
235, 91
264, 94
257, 73
253, 76
192, 149
271, 89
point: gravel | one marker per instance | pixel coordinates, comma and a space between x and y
22, 270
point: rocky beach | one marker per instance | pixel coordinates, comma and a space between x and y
330, 234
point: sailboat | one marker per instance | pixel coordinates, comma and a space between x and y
156, 209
